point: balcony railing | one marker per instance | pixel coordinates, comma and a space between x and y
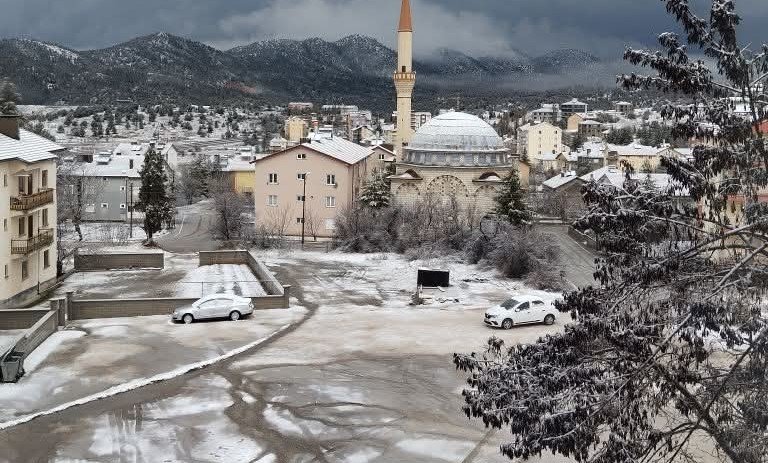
39, 241
28, 202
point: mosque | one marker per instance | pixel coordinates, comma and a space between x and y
454, 155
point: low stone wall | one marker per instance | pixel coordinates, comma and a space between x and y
589, 241
119, 261
86, 309
40, 331
20, 319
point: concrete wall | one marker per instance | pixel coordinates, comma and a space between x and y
40, 331
19, 319
88, 262
271, 285
585, 239
86, 309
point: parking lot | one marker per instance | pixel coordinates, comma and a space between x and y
359, 376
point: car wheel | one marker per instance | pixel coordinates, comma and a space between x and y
507, 324
549, 319
234, 316
187, 319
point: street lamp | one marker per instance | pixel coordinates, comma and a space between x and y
303, 207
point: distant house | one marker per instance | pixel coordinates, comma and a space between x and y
539, 142
573, 106
334, 170
572, 125
108, 182
590, 129
623, 107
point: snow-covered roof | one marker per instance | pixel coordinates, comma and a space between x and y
28, 148
574, 101
458, 132
335, 147
131, 149
106, 165
633, 149
534, 125
589, 122
560, 180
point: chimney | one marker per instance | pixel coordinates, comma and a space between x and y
9, 125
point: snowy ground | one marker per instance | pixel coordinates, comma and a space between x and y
366, 378
91, 356
7, 337
181, 277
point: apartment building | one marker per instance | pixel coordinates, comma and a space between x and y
310, 183
28, 229
539, 141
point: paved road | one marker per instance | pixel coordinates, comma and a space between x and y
194, 230
578, 261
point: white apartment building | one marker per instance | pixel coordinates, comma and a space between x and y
28, 214
539, 141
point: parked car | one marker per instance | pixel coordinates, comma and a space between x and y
214, 306
520, 310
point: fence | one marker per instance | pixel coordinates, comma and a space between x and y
118, 261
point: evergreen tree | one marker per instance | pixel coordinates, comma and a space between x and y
376, 193
509, 202
9, 98
153, 198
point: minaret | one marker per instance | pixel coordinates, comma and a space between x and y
405, 78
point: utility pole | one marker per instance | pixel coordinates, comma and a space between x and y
303, 209
130, 232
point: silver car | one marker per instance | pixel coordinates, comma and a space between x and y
214, 306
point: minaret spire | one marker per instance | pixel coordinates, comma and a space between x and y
405, 17
405, 78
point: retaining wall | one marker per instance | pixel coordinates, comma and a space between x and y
86, 309
119, 261
589, 241
40, 331
20, 319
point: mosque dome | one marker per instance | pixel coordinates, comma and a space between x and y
456, 138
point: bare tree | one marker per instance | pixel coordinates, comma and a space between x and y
230, 207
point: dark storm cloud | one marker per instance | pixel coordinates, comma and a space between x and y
603, 27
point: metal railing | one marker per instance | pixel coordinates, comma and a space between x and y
27, 202
42, 239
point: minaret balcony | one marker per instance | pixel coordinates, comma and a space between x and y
405, 76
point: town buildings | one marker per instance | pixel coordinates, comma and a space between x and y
28, 251
309, 184
539, 142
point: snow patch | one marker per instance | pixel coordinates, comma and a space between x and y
48, 346
443, 449
136, 384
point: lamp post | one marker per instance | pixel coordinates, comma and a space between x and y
303, 208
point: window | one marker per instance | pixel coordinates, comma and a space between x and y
6, 271
523, 306
104, 206
330, 201
5, 224
45, 217
46, 259
300, 198
22, 226
273, 178
24, 270
381, 157
44, 179
538, 303
330, 179
272, 200
299, 220
90, 208
301, 176
22, 190
122, 205
301, 156
5, 182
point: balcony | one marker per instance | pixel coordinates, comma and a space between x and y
29, 202
27, 246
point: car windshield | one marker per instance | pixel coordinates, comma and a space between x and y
509, 303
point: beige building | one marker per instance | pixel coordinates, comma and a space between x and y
590, 129
572, 124
334, 170
539, 141
295, 129
453, 156
641, 157
28, 233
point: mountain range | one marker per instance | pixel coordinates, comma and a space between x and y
166, 67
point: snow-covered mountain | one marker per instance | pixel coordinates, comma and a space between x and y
167, 66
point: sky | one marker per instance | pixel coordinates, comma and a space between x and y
476, 27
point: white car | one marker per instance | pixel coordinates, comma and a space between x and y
214, 306
520, 310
